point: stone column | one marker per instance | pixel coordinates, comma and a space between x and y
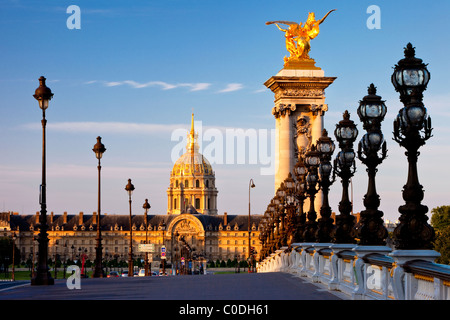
299, 110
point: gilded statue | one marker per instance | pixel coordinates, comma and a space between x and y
299, 35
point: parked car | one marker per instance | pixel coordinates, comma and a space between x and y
113, 274
141, 273
124, 273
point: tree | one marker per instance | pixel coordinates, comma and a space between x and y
440, 220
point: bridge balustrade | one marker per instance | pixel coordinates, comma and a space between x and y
374, 276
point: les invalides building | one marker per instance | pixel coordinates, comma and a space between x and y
192, 230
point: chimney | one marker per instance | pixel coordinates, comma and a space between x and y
94, 218
37, 217
65, 217
80, 218
225, 219
51, 217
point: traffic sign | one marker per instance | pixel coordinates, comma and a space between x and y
163, 252
149, 247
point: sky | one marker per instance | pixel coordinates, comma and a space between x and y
136, 70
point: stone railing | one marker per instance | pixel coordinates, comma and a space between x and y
365, 272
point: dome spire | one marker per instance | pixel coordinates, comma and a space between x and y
192, 145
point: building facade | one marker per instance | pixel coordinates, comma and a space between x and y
192, 229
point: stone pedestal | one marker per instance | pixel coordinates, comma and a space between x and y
362, 251
299, 110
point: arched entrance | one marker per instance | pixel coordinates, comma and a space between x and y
187, 244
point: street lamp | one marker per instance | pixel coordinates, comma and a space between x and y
251, 185
410, 74
345, 167
371, 111
325, 147
98, 149
43, 95
300, 172
412, 128
129, 188
146, 207
312, 162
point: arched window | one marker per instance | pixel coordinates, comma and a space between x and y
176, 183
186, 184
207, 183
174, 203
197, 184
197, 203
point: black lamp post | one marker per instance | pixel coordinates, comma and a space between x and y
251, 185
325, 227
371, 111
43, 94
300, 173
412, 128
312, 162
290, 204
98, 149
130, 188
345, 167
146, 207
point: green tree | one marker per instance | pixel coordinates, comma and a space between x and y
442, 245
440, 220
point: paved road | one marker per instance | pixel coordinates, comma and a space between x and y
223, 296
257, 286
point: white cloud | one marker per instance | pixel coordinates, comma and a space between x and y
163, 85
115, 127
232, 87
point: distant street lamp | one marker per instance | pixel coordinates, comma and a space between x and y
98, 149
13, 255
412, 128
251, 185
43, 95
371, 111
146, 207
130, 188
345, 167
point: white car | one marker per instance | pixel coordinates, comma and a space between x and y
141, 273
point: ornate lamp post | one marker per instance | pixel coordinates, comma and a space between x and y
251, 185
130, 188
300, 173
281, 196
312, 162
412, 128
345, 167
98, 149
325, 147
146, 207
290, 204
371, 111
43, 95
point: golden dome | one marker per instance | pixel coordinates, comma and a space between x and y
192, 162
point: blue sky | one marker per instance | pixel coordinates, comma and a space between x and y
135, 71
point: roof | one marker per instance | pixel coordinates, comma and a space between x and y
122, 221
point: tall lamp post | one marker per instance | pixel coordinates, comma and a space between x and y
300, 173
146, 207
98, 149
412, 128
371, 111
312, 162
251, 185
130, 188
43, 95
325, 226
345, 167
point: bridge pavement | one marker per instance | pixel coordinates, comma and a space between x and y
243, 286
224, 296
